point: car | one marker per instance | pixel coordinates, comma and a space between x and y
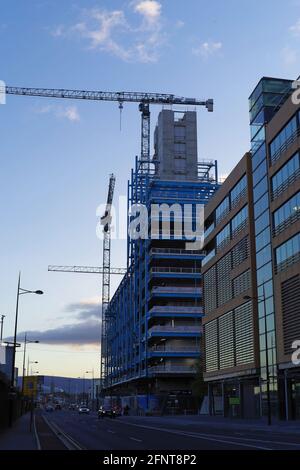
49, 408
58, 406
72, 406
83, 410
109, 412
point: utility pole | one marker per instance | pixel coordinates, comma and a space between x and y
2, 321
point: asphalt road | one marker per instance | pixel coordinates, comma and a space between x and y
128, 433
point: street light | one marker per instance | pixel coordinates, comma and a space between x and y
92, 372
28, 364
26, 341
262, 299
2, 321
20, 291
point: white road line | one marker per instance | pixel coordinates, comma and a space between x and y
134, 439
110, 431
207, 437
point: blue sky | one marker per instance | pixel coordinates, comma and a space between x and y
56, 155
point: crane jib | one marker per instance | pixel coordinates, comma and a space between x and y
121, 97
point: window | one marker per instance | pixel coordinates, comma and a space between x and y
179, 132
263, 256
262, 222
264, 274
261, 205
283, 139
258, 157
287, 213
239, 221
238, 191
260, 189
180, 165
260, 172
223, 237
285, 175
288, 253
179, 149
263, 239
222, 210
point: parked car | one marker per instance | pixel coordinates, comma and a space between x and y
72, 406
58, 406
83, 410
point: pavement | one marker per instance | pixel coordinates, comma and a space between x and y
19, 436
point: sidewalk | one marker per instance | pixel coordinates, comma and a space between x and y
19, 437
218, 422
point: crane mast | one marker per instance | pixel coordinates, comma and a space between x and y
106, 222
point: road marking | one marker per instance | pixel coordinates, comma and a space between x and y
207, 437
134, 439
110, 431
65, 438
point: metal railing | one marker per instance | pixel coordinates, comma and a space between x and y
285, 145
158, 269
176, 251
208, 257
285, 184
176, 309
286, 223
172, 369
176, 329
178, 289
209, 230
287, 263
162, 348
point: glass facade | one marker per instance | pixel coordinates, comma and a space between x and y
263, 103
239, 221
288, 173
285, 138
222, 210
238, 191
288, 253
287, 213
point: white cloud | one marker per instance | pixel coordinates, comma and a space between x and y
66, 112
149, 9
207, 49
295, 29
110, 31
289, 56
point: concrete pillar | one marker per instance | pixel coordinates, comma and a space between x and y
286, 395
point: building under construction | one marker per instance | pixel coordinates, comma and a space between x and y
152, 344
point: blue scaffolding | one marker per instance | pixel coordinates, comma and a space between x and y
162, 288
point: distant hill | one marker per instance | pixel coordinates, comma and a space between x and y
67, 384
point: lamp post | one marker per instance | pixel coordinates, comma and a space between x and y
92, 372
26, 341
262, 299
20, 291
2, 321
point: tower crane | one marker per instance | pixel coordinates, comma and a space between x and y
106, 222
144, 100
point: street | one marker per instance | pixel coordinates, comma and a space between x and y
171, 433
